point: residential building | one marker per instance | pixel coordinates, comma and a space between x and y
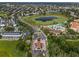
11, 35
2, 22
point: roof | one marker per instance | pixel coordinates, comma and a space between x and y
74, 25
2, 22
38, 44
57, 27
11, 21
10, 33
14, 34
40, 35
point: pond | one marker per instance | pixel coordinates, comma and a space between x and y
46, 18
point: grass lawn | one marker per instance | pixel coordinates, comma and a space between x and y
8, 49
73, 43
31, 19
2, 14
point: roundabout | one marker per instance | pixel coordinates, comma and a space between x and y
48, 19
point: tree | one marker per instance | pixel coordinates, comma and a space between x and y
21, 46
8, 28
70, 31
0, 36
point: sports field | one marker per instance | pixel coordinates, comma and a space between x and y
8, 49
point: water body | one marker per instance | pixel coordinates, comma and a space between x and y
47, 18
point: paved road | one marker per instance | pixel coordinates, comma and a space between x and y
37, 52
36, 29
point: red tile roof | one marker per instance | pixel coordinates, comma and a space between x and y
74, 25
38, 44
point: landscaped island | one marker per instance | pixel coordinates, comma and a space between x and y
57, 19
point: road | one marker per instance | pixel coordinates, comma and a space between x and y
36, 29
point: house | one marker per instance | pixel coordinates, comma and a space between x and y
2, 22
13, 21
74, 25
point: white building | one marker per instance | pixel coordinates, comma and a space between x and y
11, 35
2, 22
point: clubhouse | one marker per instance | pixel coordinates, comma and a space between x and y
56, 29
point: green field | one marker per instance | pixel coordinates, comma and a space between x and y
73, 43
3, 14
31, 19
8, 49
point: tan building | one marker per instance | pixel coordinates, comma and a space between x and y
74, 26
39, 44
